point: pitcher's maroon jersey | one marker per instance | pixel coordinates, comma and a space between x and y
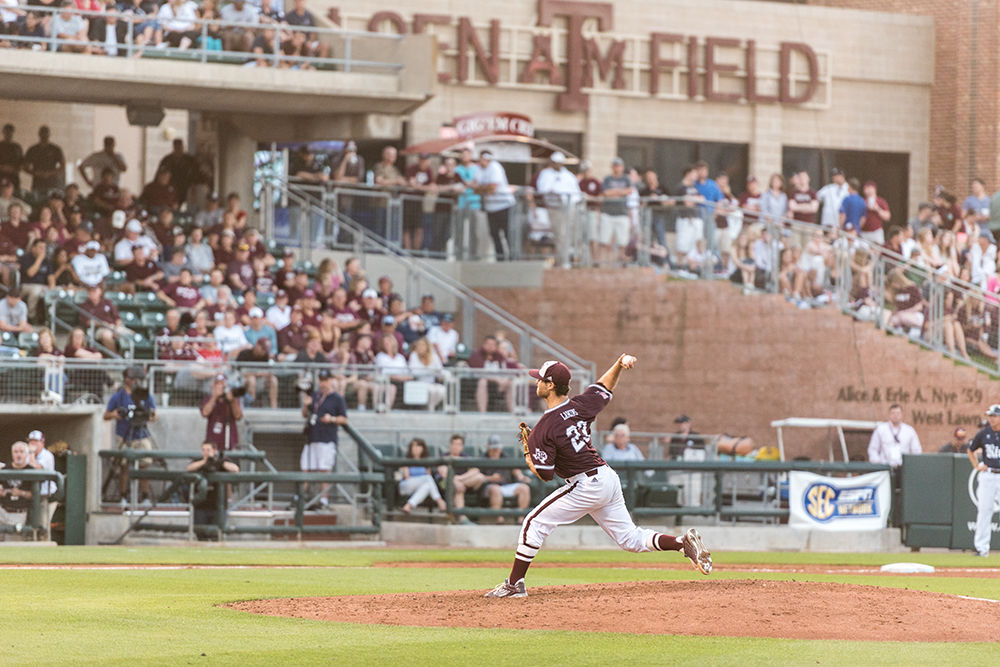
560, 441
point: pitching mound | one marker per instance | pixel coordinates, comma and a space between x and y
735, 608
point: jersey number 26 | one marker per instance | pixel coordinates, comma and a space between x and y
579, 435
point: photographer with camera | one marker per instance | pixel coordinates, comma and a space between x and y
212, 460
222, 409
325, 409
132, 407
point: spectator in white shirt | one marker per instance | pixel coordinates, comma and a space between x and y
236, 38
983, 258
392, 364
444, 337
69, 26
230, 336
891, 439
280, 314
133, 237
497, 200
40, 458
177, 19
830, 197
561, 192
426, 367
91, 267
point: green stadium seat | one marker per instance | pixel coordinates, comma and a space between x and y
153, 321
27, 340
8, 339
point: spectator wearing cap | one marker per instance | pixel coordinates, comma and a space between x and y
877, 215
489, 358
498, 201
39, 458
11, 155
222, 410
123, 255
131, 433
371, 308
240, 270
616, 227
259, 327
891, 439
561, 193
444, 338
830, 197
90, 266
229, 335
45, 161
99, 161
418, 217
14, 313
8, 197
324, 411
142, 274
959, 443
280, 313
388, 328
684, 439
292, 338
853, 208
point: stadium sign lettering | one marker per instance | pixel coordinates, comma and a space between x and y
670, 65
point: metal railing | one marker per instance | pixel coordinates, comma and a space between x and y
199, 34
306, 209
37, 520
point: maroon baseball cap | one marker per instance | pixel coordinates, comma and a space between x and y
552, 371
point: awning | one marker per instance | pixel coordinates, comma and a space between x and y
525, 149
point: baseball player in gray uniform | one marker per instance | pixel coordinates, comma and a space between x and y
560, 445
988, 440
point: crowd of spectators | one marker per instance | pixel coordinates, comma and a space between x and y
106, 27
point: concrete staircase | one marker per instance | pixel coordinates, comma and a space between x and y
735, 362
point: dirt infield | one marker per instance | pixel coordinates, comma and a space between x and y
733, 608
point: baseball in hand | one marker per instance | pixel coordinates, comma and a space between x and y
628, 361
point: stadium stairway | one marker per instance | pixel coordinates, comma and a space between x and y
735, 362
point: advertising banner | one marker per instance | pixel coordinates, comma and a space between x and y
839, 503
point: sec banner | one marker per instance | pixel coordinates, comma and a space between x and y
839, 503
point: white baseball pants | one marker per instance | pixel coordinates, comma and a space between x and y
989, 497
601, 497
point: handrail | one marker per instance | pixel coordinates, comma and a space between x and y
441, 280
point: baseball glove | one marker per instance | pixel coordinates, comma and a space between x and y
522, 435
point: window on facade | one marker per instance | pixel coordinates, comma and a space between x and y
669, 156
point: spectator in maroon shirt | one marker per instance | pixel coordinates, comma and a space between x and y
385, 291
907, 300
311, 316
750, 200
802, 201
159, 193
292, 338
106, 194
104, 314
489, 357
258, 250
223, 411
225, 249
298, 286
371, 310
142, 274
877, 215
182, 295
346, 318
240, 270
16, 228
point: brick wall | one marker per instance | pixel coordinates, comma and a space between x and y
734, 363
965, 108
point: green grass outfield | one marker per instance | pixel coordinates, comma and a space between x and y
170, 616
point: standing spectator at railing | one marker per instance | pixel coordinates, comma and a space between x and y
615, 227
983, 259
418, 216
177, 19
237, 38
14, 313
350, 168
45, 161
498, 201
91, 268
99, 161
749, 200
11, 156
830, 197
474, 229
590, 188
774, 201
444, 338
803, 202
302, 165
69, 26
8, 198
711, 194
877, 215
489, 358
560, 192
853, 208
222, 410
924, 219
687, 223
111, 36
